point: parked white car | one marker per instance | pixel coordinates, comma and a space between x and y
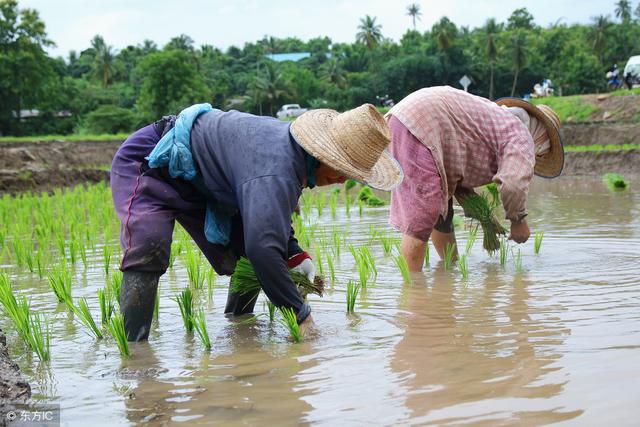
290, 110
631, 73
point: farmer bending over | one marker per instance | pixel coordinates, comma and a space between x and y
232, 180
449, 142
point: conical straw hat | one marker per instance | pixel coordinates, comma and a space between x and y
550, 164
353, 143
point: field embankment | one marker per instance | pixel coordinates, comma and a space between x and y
14, 390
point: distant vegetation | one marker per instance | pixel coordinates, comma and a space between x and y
104, 90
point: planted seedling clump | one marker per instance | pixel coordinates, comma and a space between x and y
290, 321
615, 181
366, 195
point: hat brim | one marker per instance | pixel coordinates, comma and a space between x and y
549, 165
312, 131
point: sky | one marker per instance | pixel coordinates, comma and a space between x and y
71, 24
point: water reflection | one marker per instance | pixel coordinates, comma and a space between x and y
471, 352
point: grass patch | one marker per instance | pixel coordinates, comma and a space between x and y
566, 107
66, 138
601, 147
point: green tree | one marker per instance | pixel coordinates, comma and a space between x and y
333, 73
623, 10
103, 66
491, 30
520, 19
413, 10
271, 86
518, 56
171, 82
25, 69
370, 33
182, 42
599, 34
445, 33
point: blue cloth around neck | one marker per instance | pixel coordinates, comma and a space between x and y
174, 150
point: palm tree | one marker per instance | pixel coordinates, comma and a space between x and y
103, 63
491, 29
333, 73
519, 52
370, 33
599, 32
623, 10
445, 32
413, 10
271, 86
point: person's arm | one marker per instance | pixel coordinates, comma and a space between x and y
515, 171
266, 204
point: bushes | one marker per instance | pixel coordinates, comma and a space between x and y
110, 119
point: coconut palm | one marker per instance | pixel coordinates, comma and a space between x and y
370, 33
599, 33
491, 29
623, 10
332, 72
103, 64
271, 86
519, 52
413, 10
445, 32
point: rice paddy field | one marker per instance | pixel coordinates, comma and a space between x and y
541, 333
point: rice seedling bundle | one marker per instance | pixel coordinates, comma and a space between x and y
478, 207
615, 181
366, 195
244, 281
449, 251
118, 332
290, 321
185, 303
200, 325
537, 243
353, 289
81, 310
402, 265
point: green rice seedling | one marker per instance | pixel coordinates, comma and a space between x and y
199, 321
464, 268
73, 251
61, 245
106, 305
19, 252
366, 195
320, 201
517, 261
503, 252
402, 265
60, 283
15, 309
117, 331
271, 307
427, 255
290, 321
106, 257
337, 240
387, 243
333, 202
478, 207
362, 263
156, 305
39, 338
332, 271
366, 253
115, 283
360, 208
185, 303
244, 281
318, 250
194, 269
353, 289
347, 204
307, 204
349, 184
211, 277
81, 310
82, 248
449, 251
615, 181
537, 243
473, 234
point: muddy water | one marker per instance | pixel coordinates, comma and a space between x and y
557, 341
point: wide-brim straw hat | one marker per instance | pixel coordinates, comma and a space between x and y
354, 143
550, 164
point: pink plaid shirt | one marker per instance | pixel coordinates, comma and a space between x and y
473, 142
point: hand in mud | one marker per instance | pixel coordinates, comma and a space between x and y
519, 231
306, 325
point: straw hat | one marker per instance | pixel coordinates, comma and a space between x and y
353, 143
550, 164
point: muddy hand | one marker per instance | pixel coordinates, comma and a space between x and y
306, 325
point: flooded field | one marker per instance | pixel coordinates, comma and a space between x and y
553, 340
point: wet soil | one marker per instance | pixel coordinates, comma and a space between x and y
14, 389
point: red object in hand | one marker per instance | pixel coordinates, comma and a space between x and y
297, 259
